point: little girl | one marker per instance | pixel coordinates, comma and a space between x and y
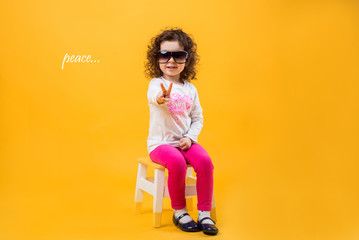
175, 123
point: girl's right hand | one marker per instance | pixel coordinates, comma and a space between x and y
165, 95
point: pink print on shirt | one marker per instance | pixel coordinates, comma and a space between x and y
179, 105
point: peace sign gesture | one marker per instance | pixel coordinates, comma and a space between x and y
164, 96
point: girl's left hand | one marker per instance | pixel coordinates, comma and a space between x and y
185, 143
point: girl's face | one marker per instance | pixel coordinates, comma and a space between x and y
171, 69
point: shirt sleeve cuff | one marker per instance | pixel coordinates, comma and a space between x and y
194, 140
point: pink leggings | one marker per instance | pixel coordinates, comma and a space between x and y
175, 160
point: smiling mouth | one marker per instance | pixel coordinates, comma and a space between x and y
171, 67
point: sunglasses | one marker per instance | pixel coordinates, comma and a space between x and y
178, 56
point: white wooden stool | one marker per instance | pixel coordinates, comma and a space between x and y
157, 187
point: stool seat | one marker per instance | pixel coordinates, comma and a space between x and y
157, 187
147, 161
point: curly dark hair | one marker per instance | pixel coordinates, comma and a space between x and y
152, 69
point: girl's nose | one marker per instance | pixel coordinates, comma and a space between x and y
171, 59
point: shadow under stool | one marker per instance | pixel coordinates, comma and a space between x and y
157, 187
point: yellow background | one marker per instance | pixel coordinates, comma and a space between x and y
278, 82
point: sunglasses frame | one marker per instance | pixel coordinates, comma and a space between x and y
171, 55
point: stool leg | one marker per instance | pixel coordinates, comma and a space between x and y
189, 199
141, 174
213, 210
159, 185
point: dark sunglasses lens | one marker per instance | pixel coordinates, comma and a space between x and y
179, 56
163, 56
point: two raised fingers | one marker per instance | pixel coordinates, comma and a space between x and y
166, 93
165, 96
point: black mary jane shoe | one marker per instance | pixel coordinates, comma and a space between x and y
187, 227
207, 228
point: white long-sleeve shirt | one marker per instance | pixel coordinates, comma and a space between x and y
173, 120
